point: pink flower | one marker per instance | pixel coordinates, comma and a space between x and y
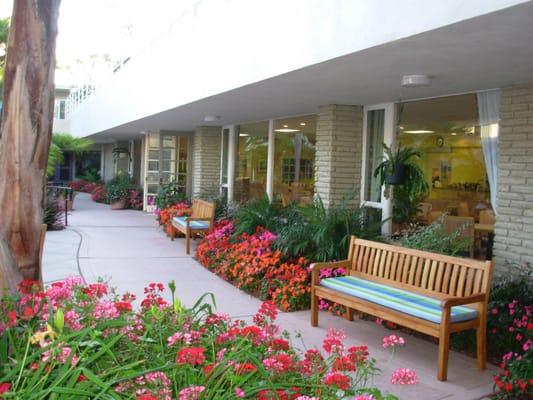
307, 398
191, 393
393, 341
404, 376
364, 397
494, 311
105, 309
239, 392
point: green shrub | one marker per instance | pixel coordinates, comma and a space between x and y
435, 239
322, 234
256, 213
169, 194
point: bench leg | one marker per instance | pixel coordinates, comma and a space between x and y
481, 344
172, 232
348, 315
188, 241
314, 309
444, 345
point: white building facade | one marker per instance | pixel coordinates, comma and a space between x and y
295, 99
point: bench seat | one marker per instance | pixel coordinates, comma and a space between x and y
414, 304
193, 224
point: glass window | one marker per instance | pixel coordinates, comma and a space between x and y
374, 154
224, 163
251, 166
294, 159
446, 131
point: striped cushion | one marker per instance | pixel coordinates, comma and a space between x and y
397, 299
193, 224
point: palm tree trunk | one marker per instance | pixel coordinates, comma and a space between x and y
26, 132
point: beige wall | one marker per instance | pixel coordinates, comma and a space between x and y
339, 139
513, 246
206, 160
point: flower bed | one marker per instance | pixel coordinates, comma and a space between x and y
78, 341
99, 193
251, 264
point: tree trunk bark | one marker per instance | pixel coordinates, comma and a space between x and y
26, 132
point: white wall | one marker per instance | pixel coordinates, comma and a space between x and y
223, 44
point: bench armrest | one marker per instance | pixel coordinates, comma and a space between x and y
457, 301
316, 267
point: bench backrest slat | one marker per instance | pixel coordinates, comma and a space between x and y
202, 209
420, 271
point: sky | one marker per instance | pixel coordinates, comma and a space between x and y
88, 30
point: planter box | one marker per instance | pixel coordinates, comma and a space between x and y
118, 205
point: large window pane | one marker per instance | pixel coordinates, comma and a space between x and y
446, 131
374, 153
294, 159
251, 167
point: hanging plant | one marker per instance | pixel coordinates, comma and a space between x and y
121, 152
398, 168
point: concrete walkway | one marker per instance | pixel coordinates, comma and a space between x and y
128, 249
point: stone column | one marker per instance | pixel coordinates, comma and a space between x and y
339, 138
206, 161
513, 243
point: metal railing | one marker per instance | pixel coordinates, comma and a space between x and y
66, 192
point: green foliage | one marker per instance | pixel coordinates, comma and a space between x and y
169, 194
53, 214
91, 175
119, 188
407, 196
61, 143
406, 203
260, 212
55, 158
435, 239
323, 234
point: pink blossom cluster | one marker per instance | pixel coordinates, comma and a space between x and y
404, 376
393, 341
191, 393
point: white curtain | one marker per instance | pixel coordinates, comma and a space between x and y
489, 116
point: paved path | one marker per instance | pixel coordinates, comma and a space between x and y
129, 250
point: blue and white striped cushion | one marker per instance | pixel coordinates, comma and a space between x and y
397, 299
193, 224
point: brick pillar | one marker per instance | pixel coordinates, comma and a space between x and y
206, 160
513, 243
339, 138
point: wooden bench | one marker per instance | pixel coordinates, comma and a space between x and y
199, 222
384, 280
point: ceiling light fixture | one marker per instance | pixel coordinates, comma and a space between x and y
211, 118
286, 130
412, 81
302, 123
243, 135
285, 126
453, 134
419, 131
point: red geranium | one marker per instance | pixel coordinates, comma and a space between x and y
191, 356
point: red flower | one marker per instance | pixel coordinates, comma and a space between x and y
96, 290
336, 379
4, 387
123, 306
12, 318
244, 368
146, 397
191, 355
344, 364
27, 286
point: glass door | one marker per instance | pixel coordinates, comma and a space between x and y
166, 161
379, 126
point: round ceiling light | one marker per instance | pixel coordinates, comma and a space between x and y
211, 118
416, 81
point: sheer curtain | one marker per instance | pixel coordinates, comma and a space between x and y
489, 116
